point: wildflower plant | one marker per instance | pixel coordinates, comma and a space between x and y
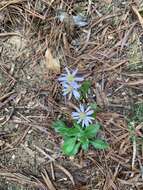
85, 128
78, 137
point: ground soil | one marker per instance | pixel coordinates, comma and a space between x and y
107, 51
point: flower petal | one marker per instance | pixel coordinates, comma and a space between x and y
65, 85
86, 122
81, 108
74, 72
76, 94
75, 114
88, 108
79, 121
74, 85
67, 70
90, 112
79, 79
83, 123
77, 109
62, 78
91, 118
75, 117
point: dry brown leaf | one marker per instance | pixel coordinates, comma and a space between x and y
51, 63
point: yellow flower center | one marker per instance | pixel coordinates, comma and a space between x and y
82, 115
70, 78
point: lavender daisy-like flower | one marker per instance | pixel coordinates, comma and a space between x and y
71, 89
83, 116
70, 77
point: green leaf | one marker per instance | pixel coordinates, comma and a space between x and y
76, 125
75, 149
75, 132
99, 144
83, 138
64, 131
95, 107
69, 145
85, 88
91, 130
59, 125
85, 145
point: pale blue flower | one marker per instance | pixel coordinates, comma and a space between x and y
71, 90
83, 115
70, 77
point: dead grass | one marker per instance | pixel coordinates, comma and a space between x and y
109, 52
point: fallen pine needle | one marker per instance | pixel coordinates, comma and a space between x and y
138, 82
138, 15
134, 154
10, 34
48, 181
112, 67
